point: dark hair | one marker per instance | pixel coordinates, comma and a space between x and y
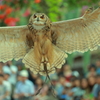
98, 76
77, 78
1, 75
6, 74
91, 66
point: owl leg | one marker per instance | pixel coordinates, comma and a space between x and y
41, 64
48, 52
47, 62
44, 60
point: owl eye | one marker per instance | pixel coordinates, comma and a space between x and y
42, 17
35, 16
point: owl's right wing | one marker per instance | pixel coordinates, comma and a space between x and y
80, 34
13, 44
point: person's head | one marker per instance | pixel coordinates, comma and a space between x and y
1, 78
6, 76
19, 66
92, 68
77, 82
98, 79
72, 81
19, 78
66, 67
39, 82
98, 63
54, 81
62, 80
9, 63
34, 76
24, 75
91, 80
84, 83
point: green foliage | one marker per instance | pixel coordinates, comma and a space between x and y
53, 9
86, 60
80, 3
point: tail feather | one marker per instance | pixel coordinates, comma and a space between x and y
58, 59
29, 61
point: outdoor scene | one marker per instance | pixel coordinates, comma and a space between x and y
79, 77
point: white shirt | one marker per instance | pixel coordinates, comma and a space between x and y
8, 88
27, 87
13, 76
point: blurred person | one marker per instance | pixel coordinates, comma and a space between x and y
91, 81
96, 89
12, 70
98, 66
54, 81
64, 95
13, 76
34, 77
39, 84
31, 77
87, 94
6, 68
59, 71
4, 93
69, 92
91, 70
60, 86
18, 78
55, 87
69, 87
19, 66
76, 90
7, 85
43, 94
67, 72
24, 89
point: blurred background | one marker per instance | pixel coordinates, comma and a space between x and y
79, 77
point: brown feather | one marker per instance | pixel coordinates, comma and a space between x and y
13, 42
80, 34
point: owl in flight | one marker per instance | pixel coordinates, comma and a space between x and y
42, 44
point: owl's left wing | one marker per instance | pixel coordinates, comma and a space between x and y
79, 34
13, 44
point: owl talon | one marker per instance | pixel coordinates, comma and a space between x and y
42, 66
42, 59
46, 59
48, 66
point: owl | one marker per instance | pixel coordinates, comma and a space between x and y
42, 44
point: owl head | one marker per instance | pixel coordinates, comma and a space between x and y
39, 19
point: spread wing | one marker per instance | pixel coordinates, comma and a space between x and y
78, 34
13, 42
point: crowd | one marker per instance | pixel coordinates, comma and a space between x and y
18, 83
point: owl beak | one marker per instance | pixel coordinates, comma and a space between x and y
37, 19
